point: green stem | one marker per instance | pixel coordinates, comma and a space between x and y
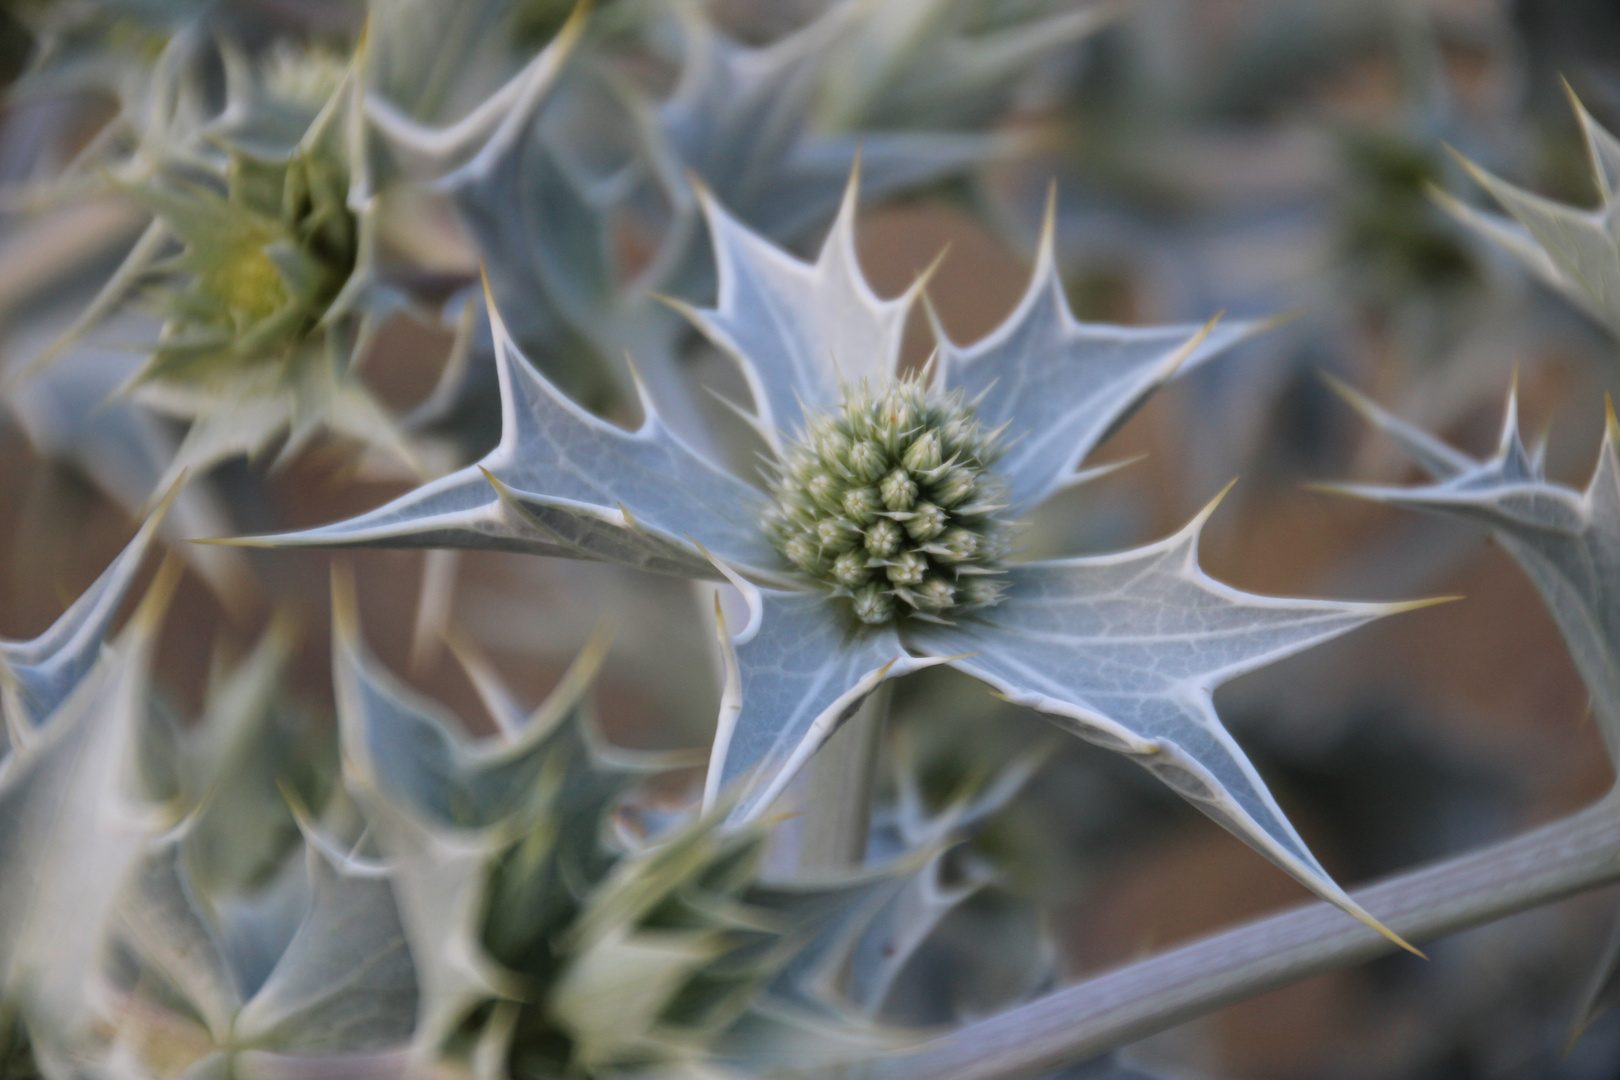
1573, 855
838, 815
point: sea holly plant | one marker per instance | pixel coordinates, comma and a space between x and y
1566, 541
881, 543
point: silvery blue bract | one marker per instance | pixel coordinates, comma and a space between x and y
1566, 541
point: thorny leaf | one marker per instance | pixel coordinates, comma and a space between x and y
799, 331
1575, 252
341, 985
549, 217
37, 676
564, 482
428, 815
1566, 541
740, 119
1125, 651
516, 895
944, 64
422, 50
1062, 386
794, 672
71, 789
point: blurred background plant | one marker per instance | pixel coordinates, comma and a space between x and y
325, 196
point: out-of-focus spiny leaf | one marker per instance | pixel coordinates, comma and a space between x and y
37, 676
944, 64
71, 789
1566, 541
1575, 252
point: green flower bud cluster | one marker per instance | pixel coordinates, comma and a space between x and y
264, 259
891, 503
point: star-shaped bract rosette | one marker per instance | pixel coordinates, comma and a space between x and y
1124, 649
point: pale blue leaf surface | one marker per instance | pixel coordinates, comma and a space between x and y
71, 788
740, 119
39, 675
423, 807
345, 983
165, 934
1566, 541
342, 982
1061, 386
793, 674
799, 330
564, 482
446, 809
737, 111
1126, 649
468, 148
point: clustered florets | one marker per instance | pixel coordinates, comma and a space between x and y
891, 503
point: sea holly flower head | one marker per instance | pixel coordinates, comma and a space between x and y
266, 254
889, 501
1123, 649
257, 262
260, 261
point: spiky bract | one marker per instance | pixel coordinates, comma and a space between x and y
890, 502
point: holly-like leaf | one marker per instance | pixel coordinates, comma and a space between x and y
1576, 252
345, 983
741, 119
794, 672
1566, 541
169, 948
37, 676
449, 815
467, 149
417, 787
1126, 649
1061, 386
891, 938
71, 824
341, 985
564, 482
239, 764
799, 331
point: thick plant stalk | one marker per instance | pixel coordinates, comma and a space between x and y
1573, 855
838, 815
